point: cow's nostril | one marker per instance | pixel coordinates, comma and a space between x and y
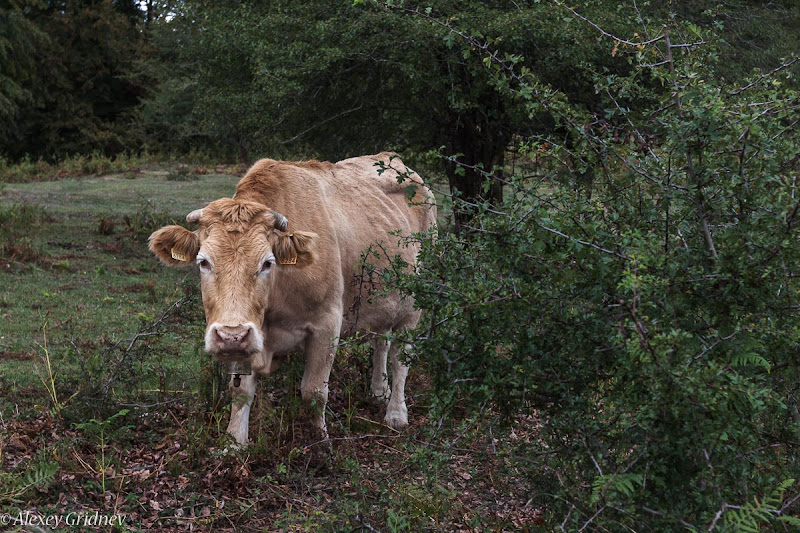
232, 338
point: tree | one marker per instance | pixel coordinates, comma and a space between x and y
78, 94
19, 39
167, 115
339, 79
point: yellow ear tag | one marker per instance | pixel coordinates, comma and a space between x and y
293, 260
177, 256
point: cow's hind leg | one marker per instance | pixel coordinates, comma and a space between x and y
396, 411
380, 382
240, 409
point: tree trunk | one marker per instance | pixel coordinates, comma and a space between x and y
476, 153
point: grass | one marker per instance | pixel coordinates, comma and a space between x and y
93, 288
108, 404
116, 194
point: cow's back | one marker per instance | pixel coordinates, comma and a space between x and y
352, 208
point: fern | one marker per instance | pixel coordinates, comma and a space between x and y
791, 520
622, 484
750, 517
750, 358
14, 486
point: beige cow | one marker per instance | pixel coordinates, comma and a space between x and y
281, 270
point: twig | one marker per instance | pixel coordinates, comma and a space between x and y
772, 72
717, 517
359, 437
789, 503
692, 174
363, 526
579, 241
566, 519
149, 405
625, 41
318, 124
595, 515
659, 513
149, 331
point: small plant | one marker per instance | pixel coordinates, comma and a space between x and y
26, 170
150, 291
21, 250
48, 379
106, 226
47, 376
104, 431
15, 221
39, 474
396, 522
181, 173
97, 163
752, 516
20, 217
146, 220
62, 264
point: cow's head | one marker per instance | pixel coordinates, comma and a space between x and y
239, 248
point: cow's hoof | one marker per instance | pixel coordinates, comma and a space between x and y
397, 417
319, 455
320, 459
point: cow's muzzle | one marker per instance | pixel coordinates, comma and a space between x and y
233, 342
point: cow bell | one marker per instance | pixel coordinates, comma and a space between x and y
236, 369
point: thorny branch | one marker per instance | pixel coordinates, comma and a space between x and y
152, 329
661, 37
783, 66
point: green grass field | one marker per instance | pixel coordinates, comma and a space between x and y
88, 287
107, 402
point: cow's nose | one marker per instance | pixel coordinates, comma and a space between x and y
232, 338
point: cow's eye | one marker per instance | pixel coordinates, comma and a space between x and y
266, 266
204, 265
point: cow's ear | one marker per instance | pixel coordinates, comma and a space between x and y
296, 248
175, 245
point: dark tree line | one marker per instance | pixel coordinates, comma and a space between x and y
326, 79
69, 83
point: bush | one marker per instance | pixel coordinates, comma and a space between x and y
181, 173
75, 166
146, 220
16, 220
640, 299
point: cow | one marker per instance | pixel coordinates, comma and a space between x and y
282, 269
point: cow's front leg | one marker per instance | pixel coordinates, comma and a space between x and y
240, 409
320, 351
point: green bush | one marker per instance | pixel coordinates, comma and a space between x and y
16, 218
638, 298
146, 220
16, 221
